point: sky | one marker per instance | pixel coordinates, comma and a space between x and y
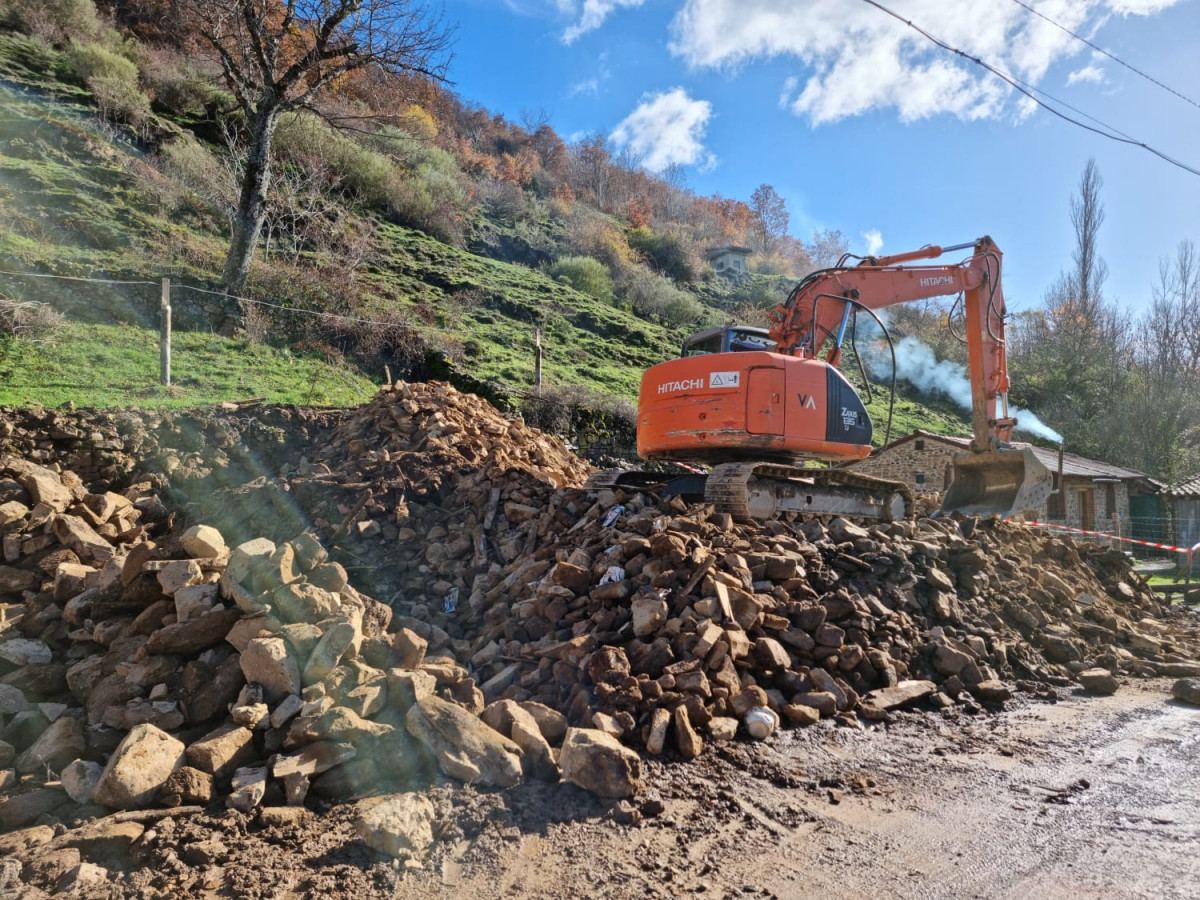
865, 126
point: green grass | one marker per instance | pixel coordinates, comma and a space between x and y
118, 365
491, 309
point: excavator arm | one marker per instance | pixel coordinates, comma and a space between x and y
813, 321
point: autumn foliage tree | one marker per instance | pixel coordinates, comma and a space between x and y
281, 55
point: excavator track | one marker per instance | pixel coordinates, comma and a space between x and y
757, 491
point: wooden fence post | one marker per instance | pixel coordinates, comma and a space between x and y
164, 341
537, 360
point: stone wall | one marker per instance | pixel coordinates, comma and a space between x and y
923, 464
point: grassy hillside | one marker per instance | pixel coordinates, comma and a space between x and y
80, 198
118, 365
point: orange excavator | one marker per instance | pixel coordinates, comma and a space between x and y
752, 402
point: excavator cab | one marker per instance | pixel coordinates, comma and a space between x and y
1005, 481
727, 339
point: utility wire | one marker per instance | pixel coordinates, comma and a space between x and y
1106, 130
1101, 50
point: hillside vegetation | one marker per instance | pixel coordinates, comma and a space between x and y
442, 241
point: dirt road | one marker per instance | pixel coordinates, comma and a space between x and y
1089, 797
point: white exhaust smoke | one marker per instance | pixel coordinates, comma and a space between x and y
919, 366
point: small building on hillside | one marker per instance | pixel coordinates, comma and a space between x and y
729, 260
1094, 496
1182, 506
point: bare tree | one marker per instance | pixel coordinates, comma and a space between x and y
279, 55
1087, 215
770, 216
827, 247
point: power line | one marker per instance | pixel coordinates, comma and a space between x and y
1101, 50
1106, 130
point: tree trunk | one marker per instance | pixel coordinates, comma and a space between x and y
252, 204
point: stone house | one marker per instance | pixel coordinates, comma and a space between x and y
1092, 495
729, 260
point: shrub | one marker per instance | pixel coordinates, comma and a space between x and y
589, 234
595, 422
504, 201
668, 254
30, 321
176, 84
89, 61
120, 100
192, 164
305, 139
657, 297
587, 275
57, 21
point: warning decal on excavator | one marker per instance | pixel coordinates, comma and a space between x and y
724, 379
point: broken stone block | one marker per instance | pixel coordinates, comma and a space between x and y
465, 747
178, 573
397, 825
55, 747
221, 752
202, 542
80, 778
1187, 690
1098, 681
599, 763
266, 661
187, 786
140, 765
249, 788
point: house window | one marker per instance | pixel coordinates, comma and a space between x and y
737, 264
920, 478
1110, 499
920, 444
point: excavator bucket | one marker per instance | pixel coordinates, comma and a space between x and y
1001, 482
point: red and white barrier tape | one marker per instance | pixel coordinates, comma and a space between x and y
1112, 537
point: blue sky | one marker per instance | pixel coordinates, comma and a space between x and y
864, 126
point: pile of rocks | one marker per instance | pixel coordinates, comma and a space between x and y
656, 622
531, 629
147, 667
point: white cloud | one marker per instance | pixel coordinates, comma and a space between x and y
874, 239
667, 128
592, 14
1090, 74
588, 86
592, 85
853, 58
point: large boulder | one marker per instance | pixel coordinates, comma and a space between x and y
400, 825
140, 765
598, 762
466, 748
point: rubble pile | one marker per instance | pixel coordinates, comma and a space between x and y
666, 622
143, 666
530, 628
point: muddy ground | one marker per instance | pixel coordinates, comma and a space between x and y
1086, 797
